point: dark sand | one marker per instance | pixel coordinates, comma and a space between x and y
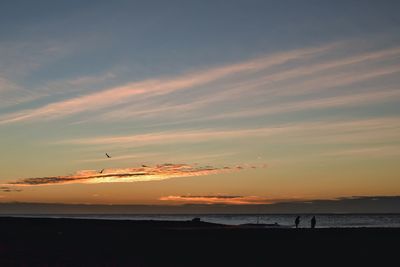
75, 242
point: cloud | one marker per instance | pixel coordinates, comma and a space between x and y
123, 94
302, 78
121, 158
366, 127
11, 93
319, 103
125, 175
7, 189
18, 60
218, 199
90, 79
344, 78
177, 136
366, 152
6, 85
337, 64
304, 71
357, 204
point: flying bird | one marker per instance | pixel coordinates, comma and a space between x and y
101, 171
108, 156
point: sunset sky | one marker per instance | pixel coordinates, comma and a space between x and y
238, 102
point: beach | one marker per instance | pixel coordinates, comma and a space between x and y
80, 242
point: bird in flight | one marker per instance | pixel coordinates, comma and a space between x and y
102, 171
108, 156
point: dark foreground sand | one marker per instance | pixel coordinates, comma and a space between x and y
69, 242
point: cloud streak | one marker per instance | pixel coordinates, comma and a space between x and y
21, 59
126, 175
302, 79
366, 127
219, 199
320, 103
122, 94
6, 189
314, 77
366, 152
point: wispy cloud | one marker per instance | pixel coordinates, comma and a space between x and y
366, 127
20, 59
304, 71
300, 79
178, 136
335, 65
366, 152
6, 189
90, 79
336, 80
11, 93
126, 175
319, 103
121, 157
122, 94
219, 199
6, 85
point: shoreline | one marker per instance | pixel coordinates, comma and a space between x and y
208, 218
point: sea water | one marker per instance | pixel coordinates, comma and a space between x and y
323, 220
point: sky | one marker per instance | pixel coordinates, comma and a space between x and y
199, 102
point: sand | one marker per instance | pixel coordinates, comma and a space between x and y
78, 242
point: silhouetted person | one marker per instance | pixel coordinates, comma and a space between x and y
297, 221
313, 222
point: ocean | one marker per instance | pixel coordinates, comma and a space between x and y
323, 220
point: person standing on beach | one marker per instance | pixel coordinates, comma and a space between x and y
297, 221
313, 222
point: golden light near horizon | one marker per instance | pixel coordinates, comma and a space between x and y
125, 175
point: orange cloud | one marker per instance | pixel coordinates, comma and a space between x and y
125, 175
6, 189
219, 199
